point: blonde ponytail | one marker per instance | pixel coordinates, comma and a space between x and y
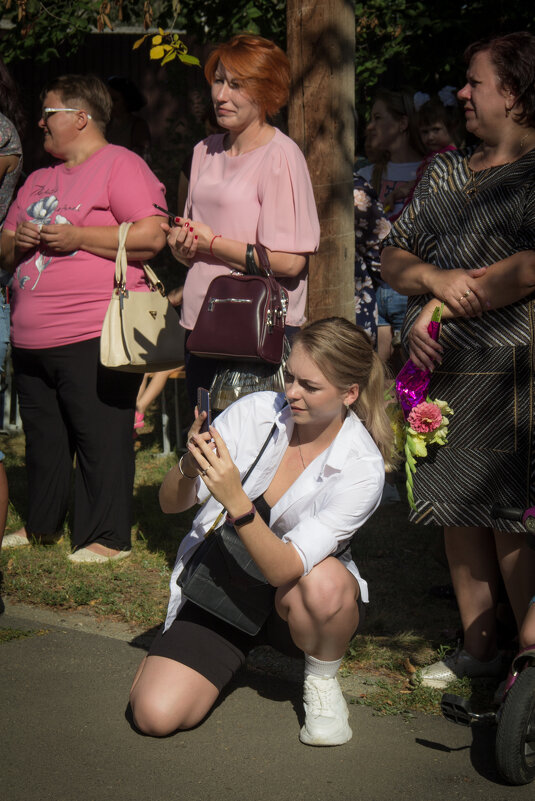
371, 409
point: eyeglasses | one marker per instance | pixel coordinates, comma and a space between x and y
47, 112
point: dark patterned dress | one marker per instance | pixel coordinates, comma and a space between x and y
371, 226
462, 219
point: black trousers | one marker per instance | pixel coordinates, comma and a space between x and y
71, 405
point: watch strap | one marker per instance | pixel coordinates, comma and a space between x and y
241, 520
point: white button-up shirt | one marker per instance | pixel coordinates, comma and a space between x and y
339, 490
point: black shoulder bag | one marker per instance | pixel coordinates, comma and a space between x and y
222, 578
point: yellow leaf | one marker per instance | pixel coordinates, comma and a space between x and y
157, 52
187, 59
138, 43
169, 57
162, 32
156, 40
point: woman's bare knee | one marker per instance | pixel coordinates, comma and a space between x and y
152, 718
168, 696
323, 593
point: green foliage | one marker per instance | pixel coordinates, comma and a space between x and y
385, 30
42, 29
422, 43
45, 31
397, 41
218, 20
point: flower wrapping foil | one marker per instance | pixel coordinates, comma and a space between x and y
412, 382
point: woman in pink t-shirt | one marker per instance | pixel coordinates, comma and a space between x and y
249, 185
60, 239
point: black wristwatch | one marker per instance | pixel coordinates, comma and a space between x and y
248, 517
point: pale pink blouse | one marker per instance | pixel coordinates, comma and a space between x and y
264, 196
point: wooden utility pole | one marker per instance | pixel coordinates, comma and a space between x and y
321, 49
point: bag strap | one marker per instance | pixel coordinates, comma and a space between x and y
262, 449
121, 263
263, 260
246, 476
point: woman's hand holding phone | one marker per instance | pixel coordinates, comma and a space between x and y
181, 240
200, 426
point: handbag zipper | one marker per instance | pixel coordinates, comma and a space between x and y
213, 301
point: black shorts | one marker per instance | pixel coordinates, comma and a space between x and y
216, 649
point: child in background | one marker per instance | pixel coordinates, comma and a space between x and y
440, 123
440, 127
153, 384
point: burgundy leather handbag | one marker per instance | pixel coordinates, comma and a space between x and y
242, 317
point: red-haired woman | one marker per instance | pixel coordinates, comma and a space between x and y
249, 185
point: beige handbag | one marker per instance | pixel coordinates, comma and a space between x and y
141, 332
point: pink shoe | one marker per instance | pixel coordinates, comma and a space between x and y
139, 420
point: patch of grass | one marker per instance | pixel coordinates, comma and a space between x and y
7, 635
396, 697
134, 590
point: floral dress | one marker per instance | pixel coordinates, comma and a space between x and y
371, 227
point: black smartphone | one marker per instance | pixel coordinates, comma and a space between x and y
169, 214
203, 405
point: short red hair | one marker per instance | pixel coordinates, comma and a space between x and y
261, 66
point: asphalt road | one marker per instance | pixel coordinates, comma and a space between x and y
65, 734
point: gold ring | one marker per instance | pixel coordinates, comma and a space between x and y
461, 298
204, 472
468, 292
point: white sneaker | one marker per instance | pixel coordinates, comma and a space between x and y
326, 713
459, 664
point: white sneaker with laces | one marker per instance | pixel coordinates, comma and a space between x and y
326, 713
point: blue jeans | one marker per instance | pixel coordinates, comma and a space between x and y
391, 307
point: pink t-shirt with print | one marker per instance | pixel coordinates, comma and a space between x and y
58, 299
262, 196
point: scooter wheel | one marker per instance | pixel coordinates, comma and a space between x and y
515, 737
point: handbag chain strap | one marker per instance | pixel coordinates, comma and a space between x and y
246, 476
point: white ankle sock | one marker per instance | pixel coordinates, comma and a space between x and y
317, 667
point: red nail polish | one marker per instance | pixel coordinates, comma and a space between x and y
191, 229
177, 219
196, 237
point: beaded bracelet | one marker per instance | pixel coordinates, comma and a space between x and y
184, 475
217, 236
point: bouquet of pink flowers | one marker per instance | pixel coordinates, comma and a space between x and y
417, 420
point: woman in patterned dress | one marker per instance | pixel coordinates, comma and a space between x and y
468, 240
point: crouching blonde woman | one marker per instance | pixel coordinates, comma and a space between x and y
318, 480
